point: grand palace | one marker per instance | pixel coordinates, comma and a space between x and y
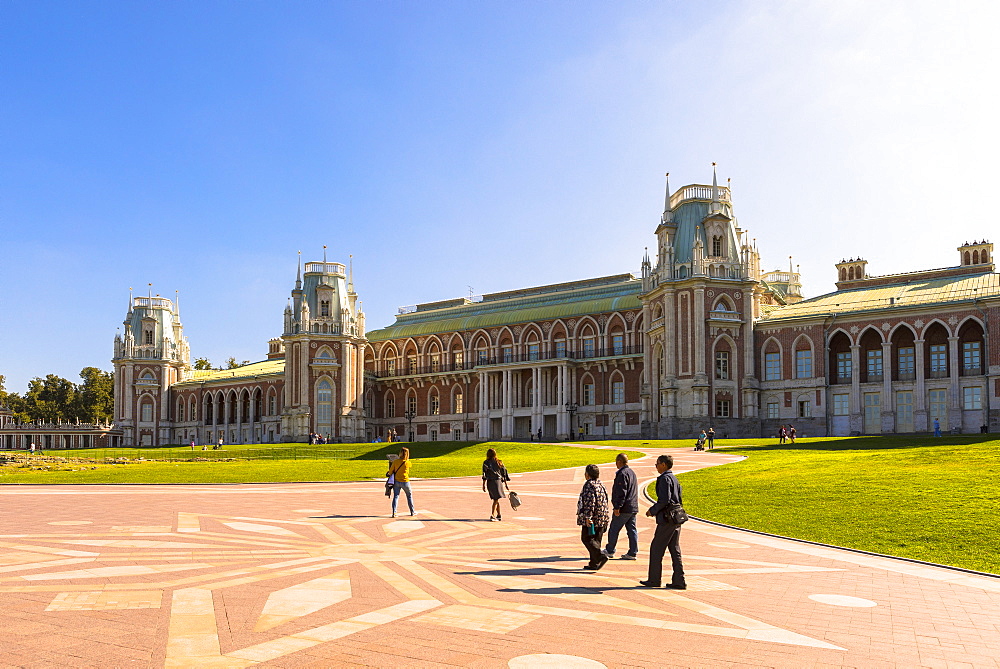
702, 337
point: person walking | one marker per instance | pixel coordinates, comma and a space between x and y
711, 438
668, 534
592, 516
781, 434
399, 470
495, 478
791, 433
937, 428
192, 444
625, 502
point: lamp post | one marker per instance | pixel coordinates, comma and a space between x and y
409, 415
571, 408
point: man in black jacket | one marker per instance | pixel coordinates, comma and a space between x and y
668, 533
625, 501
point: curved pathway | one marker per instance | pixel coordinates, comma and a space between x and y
318, 575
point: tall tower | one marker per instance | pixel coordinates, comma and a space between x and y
699, 303
151, 355
324, 342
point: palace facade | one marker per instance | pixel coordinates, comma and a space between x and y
702, 337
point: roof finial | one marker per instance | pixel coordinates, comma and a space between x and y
350, 272
298, 274
324, 256
790, 265
715, 185
150, 293
177, 303
666, 201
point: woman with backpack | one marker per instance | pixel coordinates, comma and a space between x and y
399, 471
495, 478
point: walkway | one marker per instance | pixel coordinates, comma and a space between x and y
295, 575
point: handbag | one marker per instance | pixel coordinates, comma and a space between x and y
676, 514
515, 501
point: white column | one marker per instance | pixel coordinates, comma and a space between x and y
857, 408
888, 401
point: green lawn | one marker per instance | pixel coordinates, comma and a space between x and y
919, 497
282, 462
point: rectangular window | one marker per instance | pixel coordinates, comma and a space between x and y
458, 357
411, 404
805, 409
411, 364
772, 366
588, 394
841, 405
844, 370
803, 364
459, 403
972, 357
939, 360
481, 357
146, 415
618, 344
972, 398
324, 307
618, 392
616, 426
904, 411
435, 362
663, 399
561, 348
722, 408
435, 405
874, 358
772, 409
938, 406
532, 351
873, 413
722, 364
907, 363
390, 407
507, 353
588, 347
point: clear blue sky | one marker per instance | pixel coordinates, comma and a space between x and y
200, 145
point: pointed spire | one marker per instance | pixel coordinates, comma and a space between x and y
324, 255
150, 292
131, 300
350, 273
177, 304
667, 216
298, 274
715, 185
790, 265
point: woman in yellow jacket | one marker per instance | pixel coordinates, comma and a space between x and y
399, 470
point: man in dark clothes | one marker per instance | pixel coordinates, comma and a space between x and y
625, 501
668, 533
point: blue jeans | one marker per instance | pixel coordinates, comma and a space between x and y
626, 519
396, 487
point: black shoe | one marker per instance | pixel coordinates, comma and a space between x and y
590, 567
604, 561
674, 586
649, 584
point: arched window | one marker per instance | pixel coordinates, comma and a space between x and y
324, 405
975, 257
209, 413
434, 404
457, 402
324, 307
803, 359
772, 361
390, 405
147, 337
841, 363
968, 258
617, 390
850, 274
971, 340
843, 274
411, 403
272, 403
193, 411
985, 257
180, 409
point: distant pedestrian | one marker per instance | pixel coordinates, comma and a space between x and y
781, 434
400, 471
192, 444
495, 478
539, 434
592, 516
702, 438
937, 428
668, 533
791, 433
220, 443
625, 502
32, 448
711, 438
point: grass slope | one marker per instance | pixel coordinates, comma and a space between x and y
286, 463
918, 497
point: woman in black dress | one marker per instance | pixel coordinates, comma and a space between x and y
495, 478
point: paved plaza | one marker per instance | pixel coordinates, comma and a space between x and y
319, 575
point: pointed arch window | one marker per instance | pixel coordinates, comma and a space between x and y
390, 406
458, 404
324, 404
618, 391
147, 337
411, 404
434, 404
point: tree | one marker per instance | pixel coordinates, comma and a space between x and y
232, 364
14, 402
202, 363
96, 395
52, 399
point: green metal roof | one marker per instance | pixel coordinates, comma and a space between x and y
263, 368
918, 292
562, 301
